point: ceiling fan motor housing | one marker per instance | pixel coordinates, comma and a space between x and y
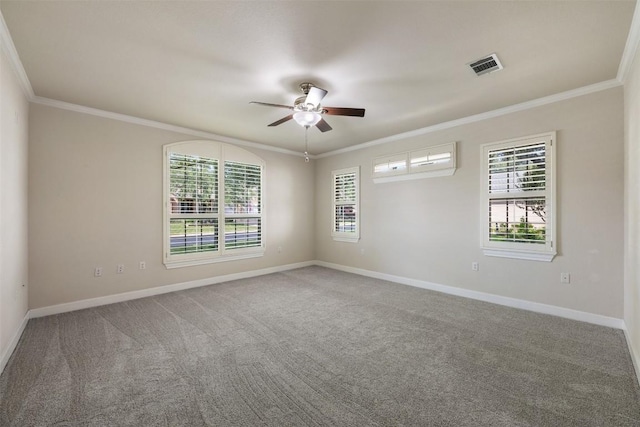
300, 105
305, 87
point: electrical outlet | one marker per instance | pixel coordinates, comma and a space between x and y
120, 269
142, 265
279, 249
97, 272
565, 278
475, 266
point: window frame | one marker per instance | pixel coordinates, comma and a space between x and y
223, 153
342, 236
526, 251
406, 166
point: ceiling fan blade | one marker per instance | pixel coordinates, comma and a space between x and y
315, 96
282, 120
323, 126
272, 105
338, 111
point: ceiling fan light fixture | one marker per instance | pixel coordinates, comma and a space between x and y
307, 110
306, 118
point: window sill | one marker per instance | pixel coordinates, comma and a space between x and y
526, 255
414, 175
220, 258
346, 239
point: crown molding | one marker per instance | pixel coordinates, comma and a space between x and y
14, 59
633, 41
158, 125
585, 90
631, 47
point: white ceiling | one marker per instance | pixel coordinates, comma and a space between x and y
198, 64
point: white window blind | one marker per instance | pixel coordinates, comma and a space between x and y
243, 205
517, 169
193, 188
213, 213
519, 198
345, 205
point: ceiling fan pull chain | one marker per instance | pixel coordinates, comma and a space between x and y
306, 144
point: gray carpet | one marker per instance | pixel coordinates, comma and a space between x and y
316, 347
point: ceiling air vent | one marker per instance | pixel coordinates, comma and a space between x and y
486, 65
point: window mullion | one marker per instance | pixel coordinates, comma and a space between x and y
222, 205
195, 212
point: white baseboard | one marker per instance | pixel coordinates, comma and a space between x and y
13, 343
128, 296
567, 313
635, 358
481, 296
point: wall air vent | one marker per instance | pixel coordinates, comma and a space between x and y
486, 65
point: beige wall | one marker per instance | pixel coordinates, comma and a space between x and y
429, 229
632, 207
14, 114
95, 200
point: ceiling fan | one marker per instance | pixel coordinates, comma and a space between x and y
307, 110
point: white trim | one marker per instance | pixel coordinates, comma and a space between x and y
585, 90
9, 47
574, 93
525, 251
635, 358
212, 260
158, 125
346, 239
466, 293
13, 343
566, 313
345, 236
630, 47
625, 64
14, 59
221, 153
159, 290
411, 176
553, 310
526, 255
407, 173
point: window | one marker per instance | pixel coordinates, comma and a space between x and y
519, 198
390, 165
346, 218
213, 199
438, 160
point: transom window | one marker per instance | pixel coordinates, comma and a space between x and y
431, 162
518, 193
214, 209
